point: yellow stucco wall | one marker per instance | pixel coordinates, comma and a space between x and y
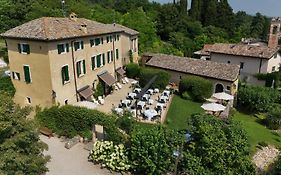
46, 64
39, 90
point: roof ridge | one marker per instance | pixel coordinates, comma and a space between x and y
45, 29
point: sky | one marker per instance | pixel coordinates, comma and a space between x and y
271, 8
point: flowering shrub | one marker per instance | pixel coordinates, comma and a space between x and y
111, 156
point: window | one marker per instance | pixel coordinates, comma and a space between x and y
16, 75
107, 39
81, 68
110, 37
66, 102
27, 76
273, 68
24, 48
117, 54
111, 54
65, 74
78, 45
103, 59
99, 64
63, 48
228, 62
241, 65
118, 37
228, 88
93, 62
28, 99
96, 42
108, 57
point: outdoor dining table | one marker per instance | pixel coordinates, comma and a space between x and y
119, 110
150, 101
160, 105
145, 97
163, 99
141, 104
150, 113
156, 90
132, 95
150, 91
126, 102
166, 93
134, 82
137, 90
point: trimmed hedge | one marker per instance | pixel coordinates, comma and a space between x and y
198, 88
256, 98
161, 82
71, 121
132, 70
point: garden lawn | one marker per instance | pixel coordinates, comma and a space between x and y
256, 131
180, 110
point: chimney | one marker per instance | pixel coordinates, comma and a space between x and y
274, 32
73, 17
84, 28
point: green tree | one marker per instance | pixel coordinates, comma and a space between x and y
183, 7
217, 147
195, 10
152, 150
208, 12
257, 26
225, 16
20, 148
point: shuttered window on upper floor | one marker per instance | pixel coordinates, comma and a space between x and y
63, 48
24, 48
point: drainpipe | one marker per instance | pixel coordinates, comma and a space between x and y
114, 62
74, 72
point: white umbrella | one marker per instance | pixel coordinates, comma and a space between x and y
223, 96
214, 107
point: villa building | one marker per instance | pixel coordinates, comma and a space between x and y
252, 57
61, 60
223, 76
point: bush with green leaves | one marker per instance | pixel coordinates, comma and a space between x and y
132, 70
276, 167
152, 149
71, 121
126, 122
273, 118
256, 98
99, 91
6, 85
161, 81
217, 147
113, 157
198, 88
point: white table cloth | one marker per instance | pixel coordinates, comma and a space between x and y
137, 90
150, 101
126, 102
145, 97
141, 104
156, 90
166, 93
132, 95
160, 105
119, 110
163, 99
150, 113
150, 91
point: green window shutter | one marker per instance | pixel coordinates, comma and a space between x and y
76, 46
67, 47
26, 71
78, 68
82, 45
103, 58
98, 60
110, 38
63, 75
19, 48
60, 48
92, 42
93, 63
27, 48
13, 75
97, 41
84, 66
107, 39
102, 40
108, 57
117, 54
111, 55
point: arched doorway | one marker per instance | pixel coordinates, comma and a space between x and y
219, 88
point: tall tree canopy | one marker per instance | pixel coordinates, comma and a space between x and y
20, 148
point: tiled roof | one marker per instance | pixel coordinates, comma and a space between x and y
205, 50
126, 29
53, 28
221, 71
248, 50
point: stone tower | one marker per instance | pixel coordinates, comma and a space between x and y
274, 33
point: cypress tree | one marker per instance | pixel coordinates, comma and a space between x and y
183, 7
208, 12
225, 16
195, 10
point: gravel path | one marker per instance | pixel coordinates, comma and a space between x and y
69, 161
265, 156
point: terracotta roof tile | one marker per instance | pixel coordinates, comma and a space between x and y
53, 28
221, 71
248, 50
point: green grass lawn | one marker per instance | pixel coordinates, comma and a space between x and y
180, 110
256, 131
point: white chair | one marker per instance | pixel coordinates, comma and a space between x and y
119, 85
115, 87
123, 81
126, 80
100, 100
